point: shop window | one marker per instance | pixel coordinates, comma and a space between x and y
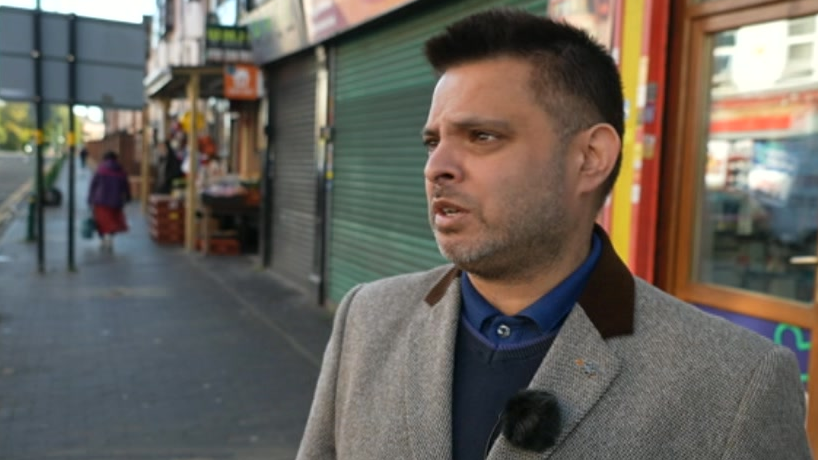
758, 210
804, 26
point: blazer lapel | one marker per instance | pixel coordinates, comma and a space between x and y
430, 371
578, 369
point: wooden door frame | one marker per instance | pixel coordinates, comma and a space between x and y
689, 81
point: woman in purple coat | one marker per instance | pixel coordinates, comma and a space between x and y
108, 194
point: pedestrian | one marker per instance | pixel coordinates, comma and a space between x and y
108, 194
538, 342
170, 168
83, 157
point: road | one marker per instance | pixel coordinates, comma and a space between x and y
15, 170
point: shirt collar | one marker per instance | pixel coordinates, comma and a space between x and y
549, 310
608, 298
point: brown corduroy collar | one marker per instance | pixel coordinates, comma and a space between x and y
608, 298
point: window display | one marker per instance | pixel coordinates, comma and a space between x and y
758, 216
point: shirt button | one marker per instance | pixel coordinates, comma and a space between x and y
503, 331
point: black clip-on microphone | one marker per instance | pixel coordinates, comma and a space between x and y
530, 421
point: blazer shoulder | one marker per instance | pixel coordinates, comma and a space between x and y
404, 289
686, 329
388, 301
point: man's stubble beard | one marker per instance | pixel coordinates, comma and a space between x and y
529, 239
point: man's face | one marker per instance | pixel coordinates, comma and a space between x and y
495, 176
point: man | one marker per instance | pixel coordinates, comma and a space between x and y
538, 342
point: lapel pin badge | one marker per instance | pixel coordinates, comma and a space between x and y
588, 368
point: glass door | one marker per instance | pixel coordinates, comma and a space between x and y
741, 179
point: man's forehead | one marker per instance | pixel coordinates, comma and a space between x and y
503, 74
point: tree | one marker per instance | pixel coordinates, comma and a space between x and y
16, 125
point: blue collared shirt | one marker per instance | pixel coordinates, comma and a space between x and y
540, 319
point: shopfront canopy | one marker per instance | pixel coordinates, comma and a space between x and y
171, 82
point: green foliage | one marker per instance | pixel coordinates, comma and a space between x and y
17, 124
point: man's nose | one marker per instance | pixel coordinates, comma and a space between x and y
443, 165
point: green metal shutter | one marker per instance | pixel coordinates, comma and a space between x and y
295, 180
383, 86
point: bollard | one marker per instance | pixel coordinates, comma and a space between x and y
32, 215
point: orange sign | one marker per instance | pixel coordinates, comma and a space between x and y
242, 81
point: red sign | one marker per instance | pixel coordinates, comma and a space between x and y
242, 81
782, 111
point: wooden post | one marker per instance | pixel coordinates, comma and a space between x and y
247, 137
165, 120
192, 201
146, 160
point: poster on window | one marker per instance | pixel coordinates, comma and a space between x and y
775, 164
594, 16
715, 177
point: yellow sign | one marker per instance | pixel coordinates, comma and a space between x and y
71, 139
184, 121
38, 137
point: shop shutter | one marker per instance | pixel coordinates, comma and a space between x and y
294, 180
383, 86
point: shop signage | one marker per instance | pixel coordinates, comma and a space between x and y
326, 18
242, 82
278, 28
227, 43
275, 29
789, 112
595, 17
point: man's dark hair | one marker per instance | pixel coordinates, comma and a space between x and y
575, 79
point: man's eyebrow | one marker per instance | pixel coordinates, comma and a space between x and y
471, 123
482, 122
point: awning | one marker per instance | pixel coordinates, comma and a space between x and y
171, 82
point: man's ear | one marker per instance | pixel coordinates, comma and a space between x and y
601, 146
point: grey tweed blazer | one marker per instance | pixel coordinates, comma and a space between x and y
638, 375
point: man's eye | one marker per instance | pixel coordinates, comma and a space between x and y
483, 136
430, 144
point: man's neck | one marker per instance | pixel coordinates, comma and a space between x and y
511, 296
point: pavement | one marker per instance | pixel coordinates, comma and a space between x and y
148, 352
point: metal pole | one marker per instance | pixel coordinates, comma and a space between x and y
322, 122
268, 170
36, 53
72, 96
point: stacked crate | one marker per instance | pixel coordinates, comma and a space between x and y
221, 245
167, 219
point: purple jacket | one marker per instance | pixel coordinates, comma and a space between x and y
109, 187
